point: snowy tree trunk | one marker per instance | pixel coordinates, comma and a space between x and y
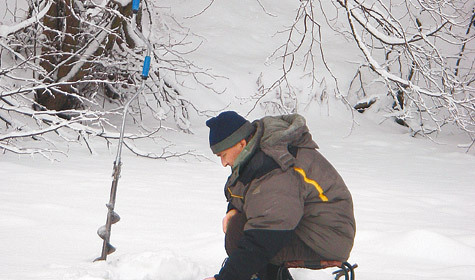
66, 48
61, 33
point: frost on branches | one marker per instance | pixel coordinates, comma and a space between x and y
416, 60
67, 67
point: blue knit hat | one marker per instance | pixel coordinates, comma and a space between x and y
227, 129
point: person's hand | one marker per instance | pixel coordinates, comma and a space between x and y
210, 278
226, 219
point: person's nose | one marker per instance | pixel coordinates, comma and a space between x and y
224, 162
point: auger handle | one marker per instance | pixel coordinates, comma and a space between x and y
146, 67
135, 6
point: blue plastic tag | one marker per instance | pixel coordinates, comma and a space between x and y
135, 6
146, 67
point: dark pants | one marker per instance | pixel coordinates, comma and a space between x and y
295, 250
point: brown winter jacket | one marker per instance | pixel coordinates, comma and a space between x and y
305, 194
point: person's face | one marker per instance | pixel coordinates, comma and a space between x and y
229, 155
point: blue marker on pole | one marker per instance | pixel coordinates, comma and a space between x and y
135, 6
146, 67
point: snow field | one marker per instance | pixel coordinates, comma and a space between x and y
411, 224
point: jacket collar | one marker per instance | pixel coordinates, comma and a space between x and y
274, 134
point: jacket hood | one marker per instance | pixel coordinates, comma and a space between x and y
274, 134
280, 132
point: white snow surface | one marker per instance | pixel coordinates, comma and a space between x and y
414, 198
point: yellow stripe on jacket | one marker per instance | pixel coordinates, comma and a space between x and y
312, 182
234, 195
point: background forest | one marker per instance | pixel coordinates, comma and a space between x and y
67, 67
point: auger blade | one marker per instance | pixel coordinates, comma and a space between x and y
109, 250
114, 217
102, 232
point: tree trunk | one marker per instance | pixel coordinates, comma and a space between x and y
58, 56
63, 32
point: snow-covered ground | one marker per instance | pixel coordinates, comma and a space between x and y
414, 199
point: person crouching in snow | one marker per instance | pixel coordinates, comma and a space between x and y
287, 203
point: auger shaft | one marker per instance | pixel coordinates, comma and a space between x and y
112, 217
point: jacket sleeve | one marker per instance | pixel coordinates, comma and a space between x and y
254, 251
230, 207
274, 202
273, 209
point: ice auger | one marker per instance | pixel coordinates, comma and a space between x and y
112, 217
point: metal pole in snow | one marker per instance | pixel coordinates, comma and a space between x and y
112, 217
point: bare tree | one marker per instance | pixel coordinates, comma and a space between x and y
67, 67
421, 51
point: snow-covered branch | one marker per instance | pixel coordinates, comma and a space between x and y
417, 52
69, 67
6, 30
433, 92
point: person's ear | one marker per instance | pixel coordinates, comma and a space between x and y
243, 143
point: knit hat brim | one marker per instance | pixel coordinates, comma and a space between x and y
241, 133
